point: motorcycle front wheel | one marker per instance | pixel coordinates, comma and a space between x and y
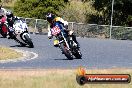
67, 52
29, 41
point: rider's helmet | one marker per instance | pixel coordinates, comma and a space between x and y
50, 17
9, 14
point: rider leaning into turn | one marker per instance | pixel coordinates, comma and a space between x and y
51, 18
10, 21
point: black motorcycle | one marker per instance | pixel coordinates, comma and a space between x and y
65, 42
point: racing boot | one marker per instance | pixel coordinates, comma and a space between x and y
74, 39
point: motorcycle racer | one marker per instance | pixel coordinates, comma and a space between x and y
10, 21
51, 18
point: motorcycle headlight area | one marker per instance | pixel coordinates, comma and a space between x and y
18, 31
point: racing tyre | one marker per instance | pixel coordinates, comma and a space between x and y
29, 41
67, 52
78, 54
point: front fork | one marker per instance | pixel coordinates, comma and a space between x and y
65, 41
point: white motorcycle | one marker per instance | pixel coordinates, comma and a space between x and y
21, 34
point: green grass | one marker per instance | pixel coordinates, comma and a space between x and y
53, 79
6, 53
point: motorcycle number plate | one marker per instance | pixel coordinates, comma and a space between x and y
55, 30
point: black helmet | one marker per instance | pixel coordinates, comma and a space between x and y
50, 17
9, 14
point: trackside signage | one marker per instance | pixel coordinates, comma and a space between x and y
83, 78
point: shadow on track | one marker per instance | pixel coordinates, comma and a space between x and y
21, 46
62, 59
67, 59
18, 46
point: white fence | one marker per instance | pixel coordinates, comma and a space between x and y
39, 26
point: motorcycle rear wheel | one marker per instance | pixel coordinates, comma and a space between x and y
78, 54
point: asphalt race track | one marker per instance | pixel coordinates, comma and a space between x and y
97, 53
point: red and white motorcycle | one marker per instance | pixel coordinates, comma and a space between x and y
3, 26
